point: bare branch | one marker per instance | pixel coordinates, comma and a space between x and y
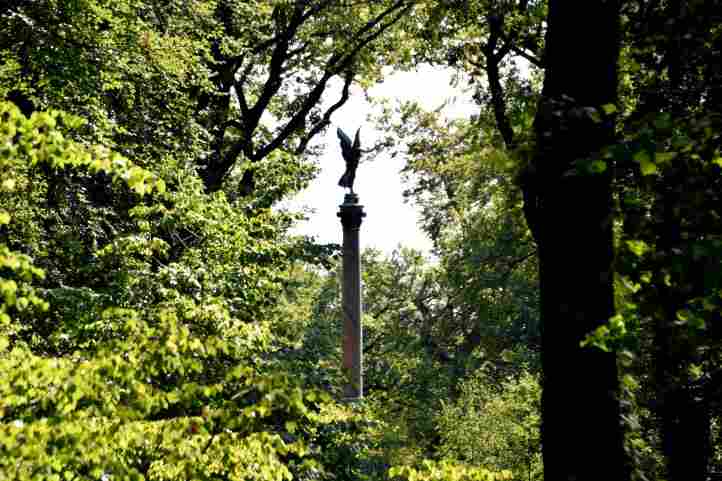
240, 92
343, 62
335, 64
327, 115
494, 77
279, 63
509, 45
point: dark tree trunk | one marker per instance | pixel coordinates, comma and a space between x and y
570, 216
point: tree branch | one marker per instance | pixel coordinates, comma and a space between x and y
336, 63
537, 62
326, 120
493, 75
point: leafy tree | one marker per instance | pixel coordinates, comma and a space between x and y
244, 83
438, 471
167, 306
144, 373
164, 336
147, 363
280, 65
495, 425
472, 210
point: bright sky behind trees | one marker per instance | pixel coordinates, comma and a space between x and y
390, 221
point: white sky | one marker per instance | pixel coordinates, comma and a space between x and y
389, 221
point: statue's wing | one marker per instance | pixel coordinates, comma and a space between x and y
345, 141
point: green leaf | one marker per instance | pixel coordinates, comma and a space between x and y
646, 165
598, 166
8, 185
507, 355
664, 157
291, 426
648, 168
4, 217
638, 247
663, 121
609, 109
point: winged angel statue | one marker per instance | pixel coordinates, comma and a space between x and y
351, 154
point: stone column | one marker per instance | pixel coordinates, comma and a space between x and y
351, 214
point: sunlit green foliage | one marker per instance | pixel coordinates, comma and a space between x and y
446, 471
151, 329
495, 425
154, 367
157, 320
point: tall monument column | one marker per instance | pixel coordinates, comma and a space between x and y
351, 214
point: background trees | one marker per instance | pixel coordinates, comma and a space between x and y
236, 82
158, 321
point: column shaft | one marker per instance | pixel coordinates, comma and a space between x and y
351, 214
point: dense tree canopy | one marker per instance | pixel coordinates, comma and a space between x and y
158, 320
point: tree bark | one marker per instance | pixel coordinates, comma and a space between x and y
570, 215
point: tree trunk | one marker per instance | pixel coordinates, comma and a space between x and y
570, 216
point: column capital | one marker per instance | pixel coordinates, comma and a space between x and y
351, 212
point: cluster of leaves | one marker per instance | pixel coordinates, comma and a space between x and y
416, 376
495, 424
446, 471
32, 144
147, 361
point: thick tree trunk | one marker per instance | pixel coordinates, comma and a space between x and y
570, 215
